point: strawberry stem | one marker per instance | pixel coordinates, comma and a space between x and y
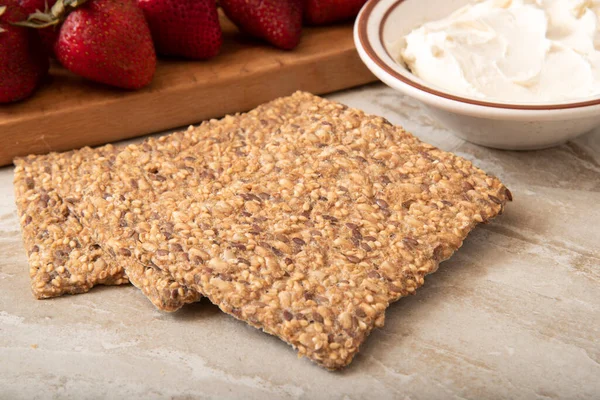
2, 10
54, 16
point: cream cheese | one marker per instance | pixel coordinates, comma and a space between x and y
525, 51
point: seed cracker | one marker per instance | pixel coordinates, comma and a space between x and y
63, 257
91, 169
304, 218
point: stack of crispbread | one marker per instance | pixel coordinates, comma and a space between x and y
303, 217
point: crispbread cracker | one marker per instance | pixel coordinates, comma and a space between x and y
62, 256
63, 259
92, 170
86, 168
304, 218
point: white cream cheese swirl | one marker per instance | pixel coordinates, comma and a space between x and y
527, 51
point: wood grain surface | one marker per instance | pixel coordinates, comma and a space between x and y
69, 112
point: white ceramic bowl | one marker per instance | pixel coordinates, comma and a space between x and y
502, 125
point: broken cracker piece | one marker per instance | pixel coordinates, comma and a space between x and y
304, 218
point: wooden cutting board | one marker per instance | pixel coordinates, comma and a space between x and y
69, 112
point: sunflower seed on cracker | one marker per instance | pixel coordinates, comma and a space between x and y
304, 218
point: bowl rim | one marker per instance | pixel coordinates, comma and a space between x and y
362, 23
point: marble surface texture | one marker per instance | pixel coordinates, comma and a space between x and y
515, 313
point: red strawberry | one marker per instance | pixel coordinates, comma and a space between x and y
279, 22
107, 41
186, 28
23, 64
49, 34
320, 12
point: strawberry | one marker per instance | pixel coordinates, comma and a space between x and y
23, 63
48, 35
320, 12
107, 41
186, 28
279, 22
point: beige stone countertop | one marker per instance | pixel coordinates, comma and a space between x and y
515, 313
